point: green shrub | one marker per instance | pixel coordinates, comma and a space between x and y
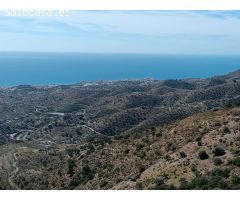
235, 179
224, 173
218, 151
159, 134
139, 146
182, 154
71, 165
217, 161
198, 139
103, 183
153, 129
235, 162
203, 155
126, 151
200, 182
226, 129
160, 181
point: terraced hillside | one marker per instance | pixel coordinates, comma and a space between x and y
139, 134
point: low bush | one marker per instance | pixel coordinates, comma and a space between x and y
182, 154
218, 151
217, 161
203, 155
226, 129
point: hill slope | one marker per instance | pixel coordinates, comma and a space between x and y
143, 134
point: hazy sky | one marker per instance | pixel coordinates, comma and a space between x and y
165, 32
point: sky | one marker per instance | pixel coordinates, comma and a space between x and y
148, 32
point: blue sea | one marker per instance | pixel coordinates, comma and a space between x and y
68, 68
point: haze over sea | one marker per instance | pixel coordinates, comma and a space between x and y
68, 68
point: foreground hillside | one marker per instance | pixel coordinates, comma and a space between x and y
143, 134
199, 152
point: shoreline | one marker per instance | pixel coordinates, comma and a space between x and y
99, 82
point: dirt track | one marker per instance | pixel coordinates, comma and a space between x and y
13, 185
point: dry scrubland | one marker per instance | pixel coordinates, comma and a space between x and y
141, 134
